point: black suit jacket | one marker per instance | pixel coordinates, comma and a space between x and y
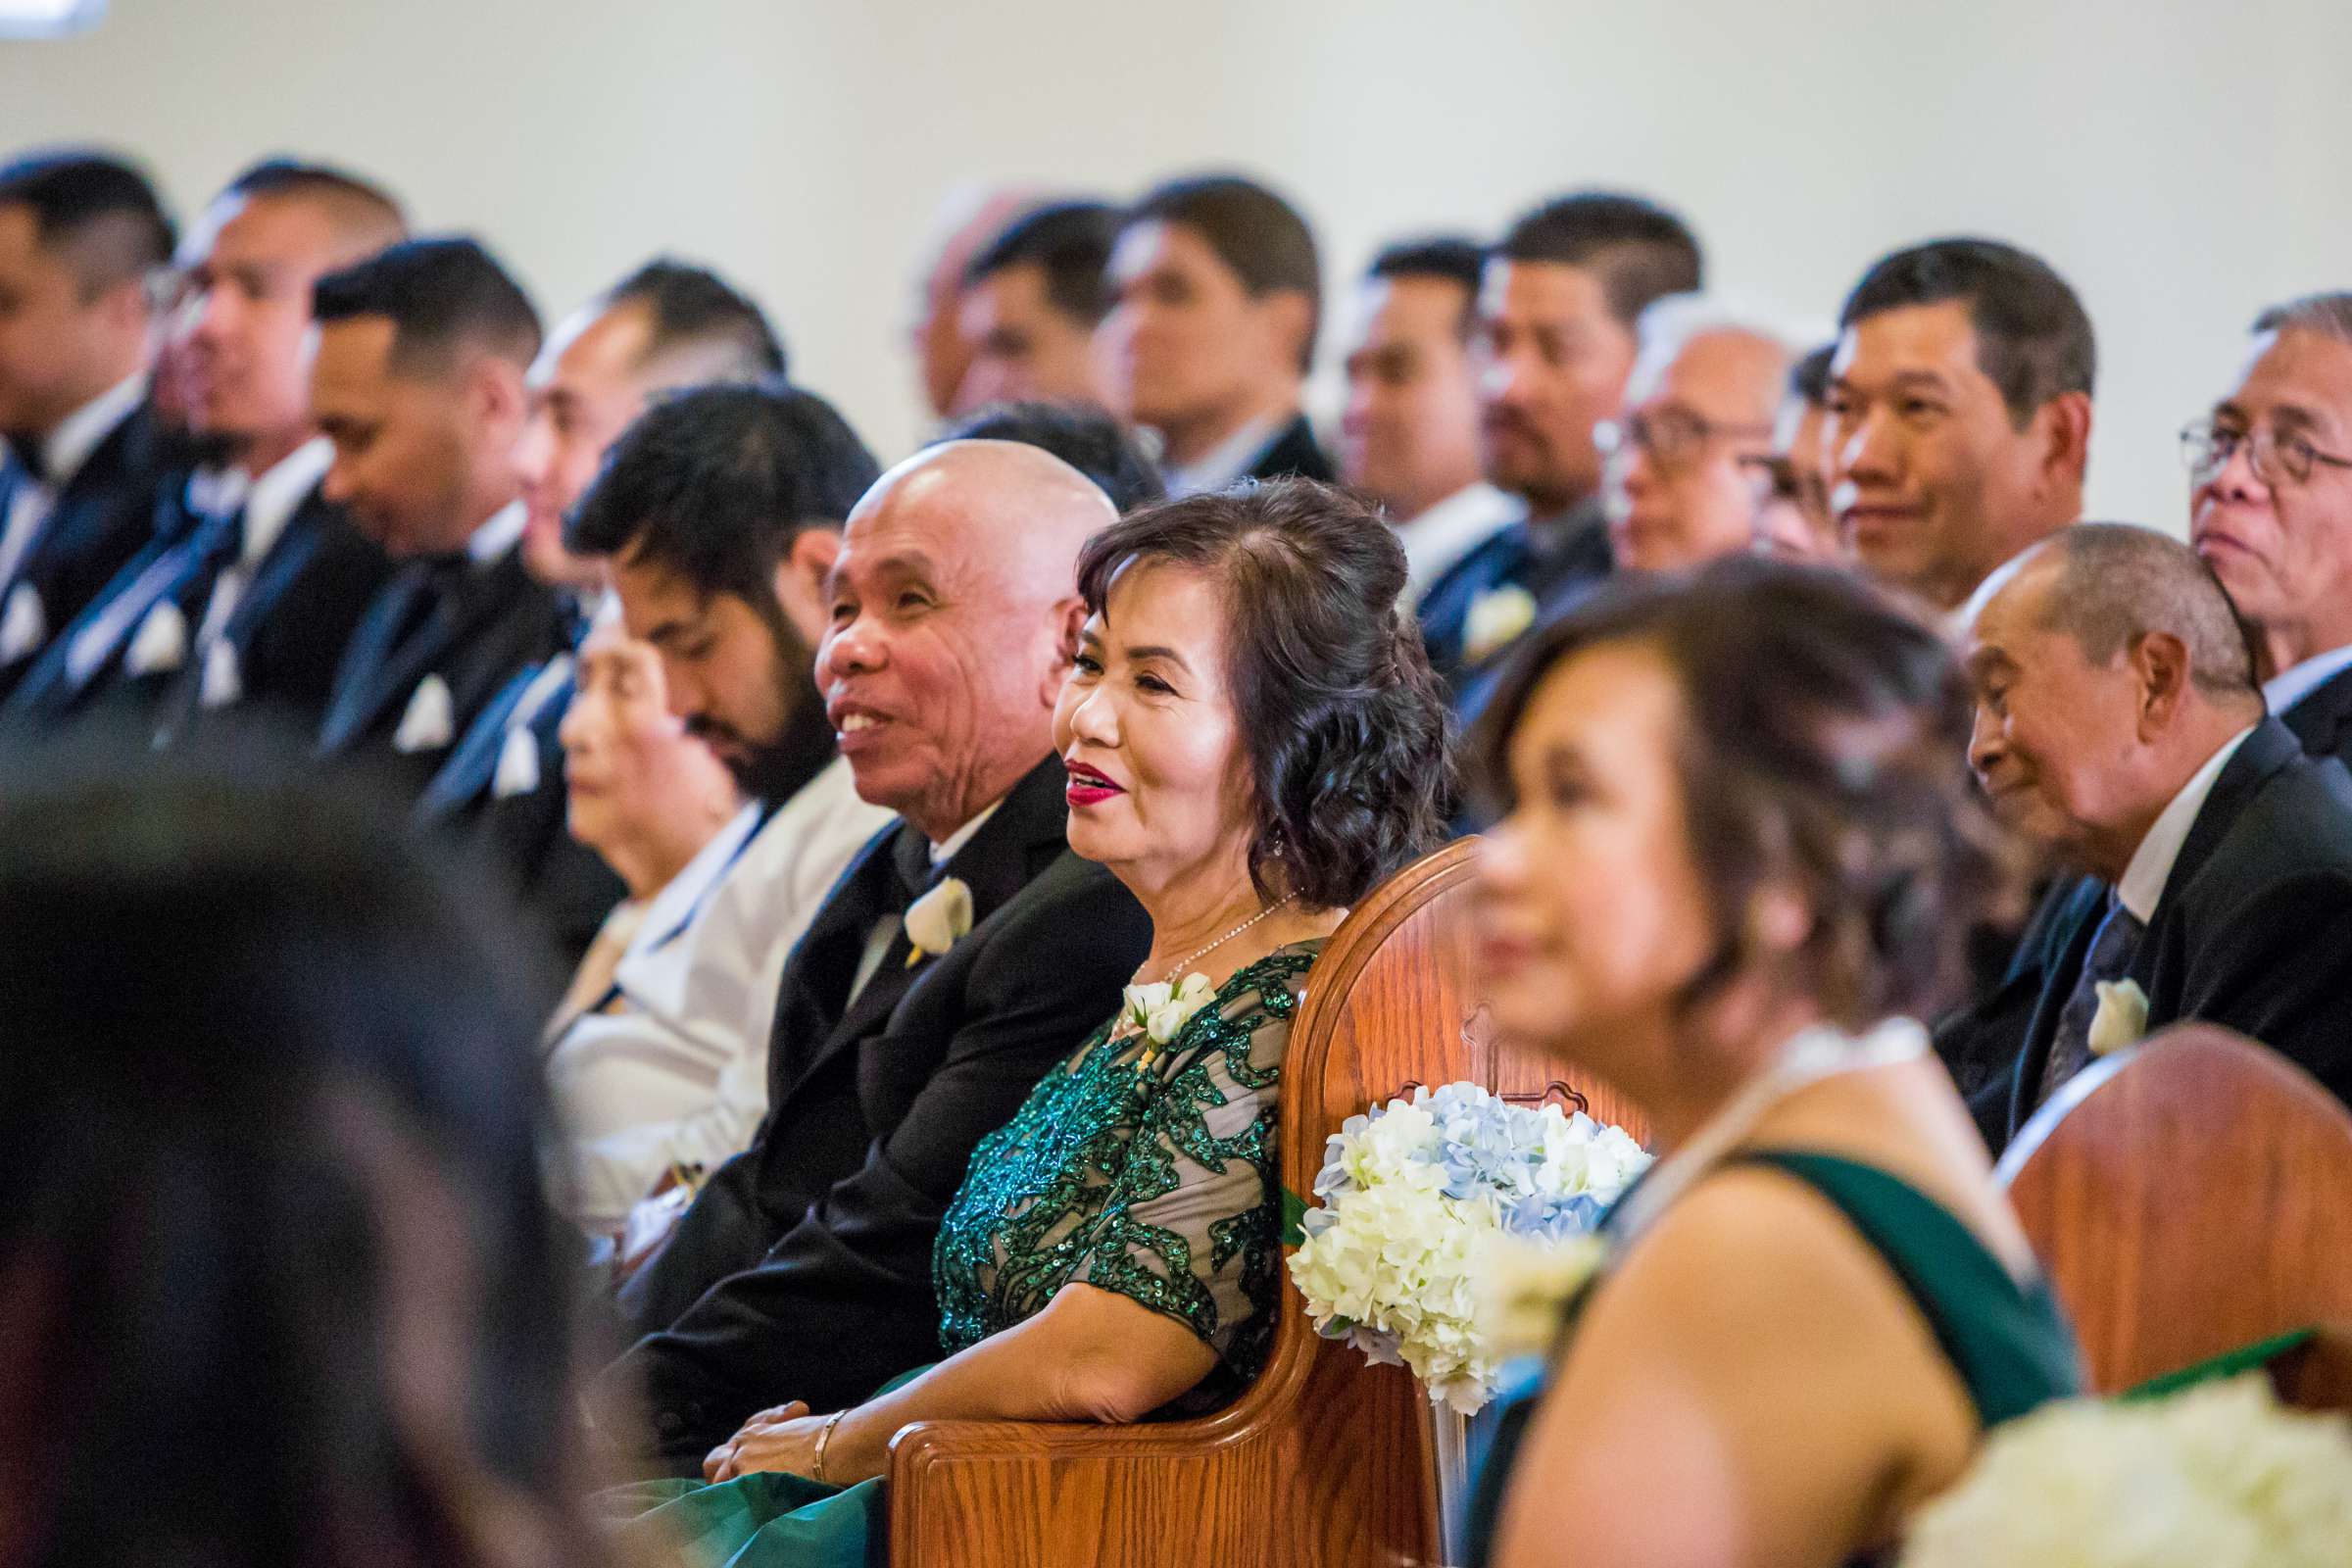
1556, 570
1293, 455
525, 832
2323, 719
2254, 929
122, 498
802, 1270
289, 628
501, 620
1979, 1042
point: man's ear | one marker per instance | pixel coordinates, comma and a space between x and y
800, 580
2066, 437
1288, 319
1070, 615
494, 391
2160, 662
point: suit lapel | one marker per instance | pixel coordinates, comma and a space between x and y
364, 685
2270, 747
1024, 835
2321, 719
470, 769
2077, 926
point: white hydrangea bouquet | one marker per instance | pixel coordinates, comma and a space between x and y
2217, 1476
1442, 1216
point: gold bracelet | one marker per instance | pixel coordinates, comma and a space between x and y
825, 1435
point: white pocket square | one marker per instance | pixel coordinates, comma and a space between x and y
160, 644
518, 765
224, 683
431, 718
24, 625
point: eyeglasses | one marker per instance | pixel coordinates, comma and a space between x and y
1772, 478
2207, 448
1672, 438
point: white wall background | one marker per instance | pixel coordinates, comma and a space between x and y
2182, 163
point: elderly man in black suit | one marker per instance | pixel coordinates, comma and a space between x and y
2272, 512
245, 603
902, 1035
83, 241
2118, 722
418, 382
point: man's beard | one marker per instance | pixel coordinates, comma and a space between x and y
774, 770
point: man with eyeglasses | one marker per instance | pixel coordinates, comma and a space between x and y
1698, 411
2272, 513
1792, 483
1959, 414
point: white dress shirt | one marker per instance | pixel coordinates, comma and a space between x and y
1444, 533
1227, 460
677, 1071
886, 930
2151, 865
2292, 685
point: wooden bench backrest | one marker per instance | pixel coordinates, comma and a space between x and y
1325, 1460
2189, 1198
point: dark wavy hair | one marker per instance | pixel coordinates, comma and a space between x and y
1824, 748
1349, 740
277, 1282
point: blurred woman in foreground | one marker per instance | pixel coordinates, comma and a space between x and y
1740, 853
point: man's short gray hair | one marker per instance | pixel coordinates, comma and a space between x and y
1666, 325
2329, 315
2118, 583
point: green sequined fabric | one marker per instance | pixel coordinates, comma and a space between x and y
1155, 1181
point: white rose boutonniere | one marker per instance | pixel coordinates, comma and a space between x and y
431, 719
1158, 1012
938, 920
1495, 620
2121, 1018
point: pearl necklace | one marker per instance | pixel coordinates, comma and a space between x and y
1127, 1027
1176, 970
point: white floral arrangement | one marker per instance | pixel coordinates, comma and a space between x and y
2217, 1475
1452, 1225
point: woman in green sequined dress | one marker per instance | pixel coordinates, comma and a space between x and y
1255, 741
1738, 854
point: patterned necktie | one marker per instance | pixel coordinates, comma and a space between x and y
2111, 950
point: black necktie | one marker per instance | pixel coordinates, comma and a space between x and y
32, 456
2119, 934
911, 857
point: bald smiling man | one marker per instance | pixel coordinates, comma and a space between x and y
802, 1270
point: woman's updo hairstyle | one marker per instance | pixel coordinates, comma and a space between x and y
1824, 750
1347, 738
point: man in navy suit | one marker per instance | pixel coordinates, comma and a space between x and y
247, 601
2272, 512
419, 383
1218, 295
804, 1266
83, 240
666, 327
2119, 724
1554, 346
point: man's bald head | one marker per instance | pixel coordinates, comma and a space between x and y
954, 614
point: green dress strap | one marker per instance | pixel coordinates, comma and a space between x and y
2010, 1342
